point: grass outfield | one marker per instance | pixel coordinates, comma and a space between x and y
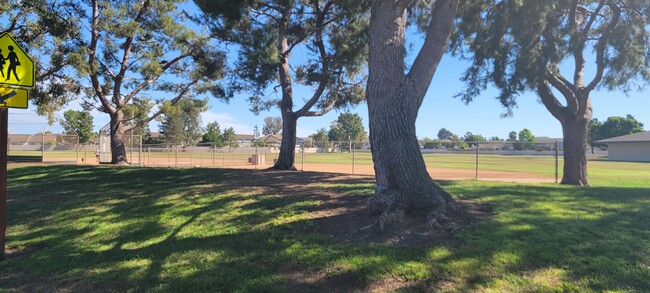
85, 229
599, 169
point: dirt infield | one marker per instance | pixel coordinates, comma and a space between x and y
438, 173
435, 173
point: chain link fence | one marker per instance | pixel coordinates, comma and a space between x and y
453, 160
66, 149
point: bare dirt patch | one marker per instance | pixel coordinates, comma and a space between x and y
13, 252
342, 215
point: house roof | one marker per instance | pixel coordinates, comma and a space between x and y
303, 139
19, 137
546, 139
271, 137
245, 136
634, 137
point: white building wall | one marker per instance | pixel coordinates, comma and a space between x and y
630, 151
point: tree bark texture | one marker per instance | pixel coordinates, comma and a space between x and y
394, 99
287, 154
118, 149
575, 133
574, 118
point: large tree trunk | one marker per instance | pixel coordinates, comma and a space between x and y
394, 99
574, 118
118, 150
287, 155
575, 151
403, 182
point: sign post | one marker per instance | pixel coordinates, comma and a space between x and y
17, 73
4, 119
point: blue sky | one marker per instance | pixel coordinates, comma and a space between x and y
440, 109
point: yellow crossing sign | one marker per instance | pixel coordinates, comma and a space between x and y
16, 67
13, 98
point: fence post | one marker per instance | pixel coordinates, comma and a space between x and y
302, 167
85, 157
131, 147
353, 147
176, 159
43, 147
140, 152
557, 163
256, 155
476, 178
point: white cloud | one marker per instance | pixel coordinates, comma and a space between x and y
225, 120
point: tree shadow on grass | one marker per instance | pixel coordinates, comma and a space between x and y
591, 238
123, 228
206, 230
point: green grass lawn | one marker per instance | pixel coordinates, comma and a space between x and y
210, 230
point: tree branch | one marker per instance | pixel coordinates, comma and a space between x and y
577, 44
600, 47
97, 87
128, 46
550, 102
435, 44
50, 72
566, 88
173, 101
592, 18
150, 81
286, 104
322, 84
322, 112
14, 21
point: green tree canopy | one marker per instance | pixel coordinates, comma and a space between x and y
180, 122
47, 31
213, 135
320, 138
348, 127
272, 125
470, 138
512, 136
443, 133
331, 36
135, 49
230, 138
78, 123
614, 126
525, 140
520, 45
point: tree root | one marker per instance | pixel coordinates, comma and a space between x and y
442, 212
280, 168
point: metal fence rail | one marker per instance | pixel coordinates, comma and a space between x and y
495, 160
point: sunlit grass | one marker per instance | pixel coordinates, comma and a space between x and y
209, 230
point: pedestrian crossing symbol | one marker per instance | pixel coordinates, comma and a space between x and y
16, 67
